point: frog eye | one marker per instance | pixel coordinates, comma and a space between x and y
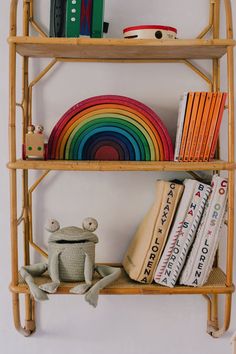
39, 148
30, 148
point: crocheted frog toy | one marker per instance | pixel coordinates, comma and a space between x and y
71, 257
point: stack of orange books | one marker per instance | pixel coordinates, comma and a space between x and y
199, 120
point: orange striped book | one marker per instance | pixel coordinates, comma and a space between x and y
197, 125
208, 125
217, 129
192, 123
212, 126
203, 126
186, 125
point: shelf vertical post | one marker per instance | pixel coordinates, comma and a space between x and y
231, 142
29, 305
230, 240
25, 93
12, 146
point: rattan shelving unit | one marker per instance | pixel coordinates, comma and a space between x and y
116, 50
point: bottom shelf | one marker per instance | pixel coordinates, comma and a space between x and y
125, 286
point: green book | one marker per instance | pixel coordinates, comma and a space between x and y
73, 13
97, 18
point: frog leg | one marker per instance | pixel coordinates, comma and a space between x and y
109, 274
88, 276
51, 288
30, 271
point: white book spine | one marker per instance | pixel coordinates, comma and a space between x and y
201, 259
184, 242
176, 230
180, 124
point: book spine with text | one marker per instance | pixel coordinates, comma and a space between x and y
143, 251
177, 228
185, 240
201, 258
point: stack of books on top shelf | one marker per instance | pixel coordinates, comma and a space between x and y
72, 18
199, 120
179, 236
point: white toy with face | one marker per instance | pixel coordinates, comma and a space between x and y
39, 129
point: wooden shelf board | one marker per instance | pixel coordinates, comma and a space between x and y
120, 165
125, 286
121, 49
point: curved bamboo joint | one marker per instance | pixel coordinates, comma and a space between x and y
30, 203
35, 81
198, 72
210, 25
212, 322
37, 28
229, 19
29, 324
34, 23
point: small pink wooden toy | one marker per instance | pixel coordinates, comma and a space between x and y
34, 147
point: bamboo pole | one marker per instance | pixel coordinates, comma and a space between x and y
231, 142
33, 83
25, 94
30, 192
13, 17
12, 150
210, 25
29, 310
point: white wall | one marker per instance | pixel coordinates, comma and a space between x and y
120, 324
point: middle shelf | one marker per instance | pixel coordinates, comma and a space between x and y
120, 165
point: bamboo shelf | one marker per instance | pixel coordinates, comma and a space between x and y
125, 286
120, 49
120, 165
123, 51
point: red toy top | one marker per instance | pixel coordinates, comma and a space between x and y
135, 28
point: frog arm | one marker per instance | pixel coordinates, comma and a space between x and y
88, 276
109, 275
51, 288
30, 271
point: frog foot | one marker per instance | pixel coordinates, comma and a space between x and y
92, 297
50, 288
37, 293
80, 289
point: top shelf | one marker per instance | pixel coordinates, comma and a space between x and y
105, 49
